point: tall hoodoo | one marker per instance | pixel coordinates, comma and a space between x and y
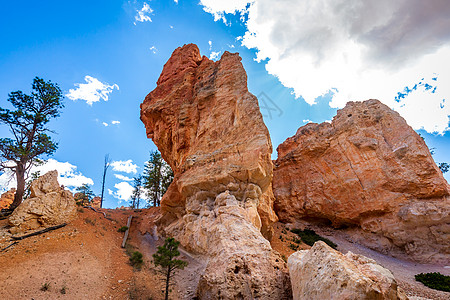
209, 129
369, 171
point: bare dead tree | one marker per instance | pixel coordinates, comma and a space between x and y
105, 169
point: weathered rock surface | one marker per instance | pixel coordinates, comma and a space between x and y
7, 198
48, 204
324, 273
208, 128
370, 171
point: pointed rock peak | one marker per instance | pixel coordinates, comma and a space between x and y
182, 58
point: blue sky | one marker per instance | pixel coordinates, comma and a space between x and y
123, 45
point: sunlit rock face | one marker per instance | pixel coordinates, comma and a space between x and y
324, 273
369, 171
48, 204
209, 129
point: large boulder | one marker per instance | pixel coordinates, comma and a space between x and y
48, 205
324, 273
209, 129
369, 172
7, 198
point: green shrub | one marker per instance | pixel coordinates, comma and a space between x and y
136, 259
45, 287
309, 237
435, 281
293, 247
122, 229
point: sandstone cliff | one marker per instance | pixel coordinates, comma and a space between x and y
369, 171
209, 129
48, 204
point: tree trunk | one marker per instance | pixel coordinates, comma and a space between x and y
20, 176
167, 283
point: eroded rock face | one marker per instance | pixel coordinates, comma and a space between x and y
48, 205
7, 198
371, 171
324, 273
208, 128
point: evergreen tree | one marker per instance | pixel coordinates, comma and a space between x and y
137, 191
156, 178
27, 124
84, 195
165, 258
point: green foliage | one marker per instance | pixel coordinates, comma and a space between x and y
136, 259
45, 287
122, 229
137, 191
444, 167
309, 237
165, 258
156, 178
27, 124
63, 290
84, 195
34, 176
293, 246
435, 281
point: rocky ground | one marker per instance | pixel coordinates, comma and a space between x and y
84, 260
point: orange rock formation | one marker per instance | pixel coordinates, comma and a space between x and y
368, 170
209, 129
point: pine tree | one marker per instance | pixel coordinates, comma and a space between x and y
27, 124
84, 195
137, 191
156, 178
165, 258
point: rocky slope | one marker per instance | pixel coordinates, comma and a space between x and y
208, 127
369, 172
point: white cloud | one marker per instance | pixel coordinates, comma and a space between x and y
306, 121
123, 193
121, 177
176, 1
105, 124
153, 49
171, 27
67, 175
354, 49
218, 8
143, 15
124, 166
214, 55
115, 122
91, 91
210, 45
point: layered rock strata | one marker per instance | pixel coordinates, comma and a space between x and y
324, 273
369, 171
209, 129
47, 205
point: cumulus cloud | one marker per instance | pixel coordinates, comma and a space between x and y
105, 124
115, 122
214, 55
121, 177
124, 166
153, 49
219, 8
355, 50
143, 14
123, 192
91, 91
67, 175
